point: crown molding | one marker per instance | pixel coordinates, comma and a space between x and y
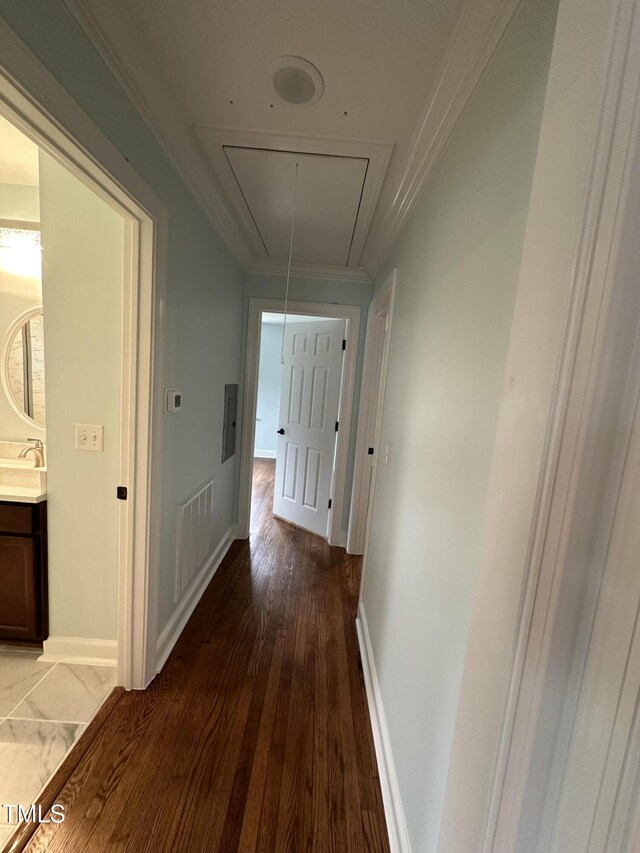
319, 271
478, 33
115, 38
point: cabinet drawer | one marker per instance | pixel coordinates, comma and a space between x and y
16, 519
19, 605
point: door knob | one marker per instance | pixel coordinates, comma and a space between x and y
280, 431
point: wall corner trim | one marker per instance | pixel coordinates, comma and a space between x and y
174, 627
120, 47
394, 813
480, 28
80, 650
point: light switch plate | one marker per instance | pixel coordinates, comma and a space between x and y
90, 437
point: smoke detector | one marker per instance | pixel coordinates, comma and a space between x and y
296, 81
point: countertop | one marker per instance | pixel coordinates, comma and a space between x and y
22, 495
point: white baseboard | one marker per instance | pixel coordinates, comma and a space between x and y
264, 454
174, 627
340, 542
80, 650
394, 813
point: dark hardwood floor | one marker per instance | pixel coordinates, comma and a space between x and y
255, 736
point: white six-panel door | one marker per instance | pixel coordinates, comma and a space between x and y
309, 401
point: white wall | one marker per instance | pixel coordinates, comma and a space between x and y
550, 496
458, 263
19, 201
269, 381
82, 241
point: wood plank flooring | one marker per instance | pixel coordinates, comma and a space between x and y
255, 736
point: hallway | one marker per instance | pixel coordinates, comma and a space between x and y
255, 736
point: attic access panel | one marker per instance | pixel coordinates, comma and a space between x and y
328, 194
222, 145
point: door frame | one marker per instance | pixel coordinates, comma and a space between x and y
350, 313
372, 391
550, 421
600, 379
40, 107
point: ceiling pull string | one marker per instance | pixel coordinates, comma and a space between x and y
286, 295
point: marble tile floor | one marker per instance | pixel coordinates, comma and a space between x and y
44, 707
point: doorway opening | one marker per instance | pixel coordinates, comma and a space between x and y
368, 449
56, 364
297, 412
297, 421
75, 151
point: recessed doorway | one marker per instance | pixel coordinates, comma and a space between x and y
297, 420
297, 411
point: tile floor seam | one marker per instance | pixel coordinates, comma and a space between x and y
79, 729
44, 720
75, 729
69, 668
32, 689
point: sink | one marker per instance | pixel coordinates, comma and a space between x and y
17, 463
22, 476
20, 473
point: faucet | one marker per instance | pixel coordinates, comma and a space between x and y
37, 447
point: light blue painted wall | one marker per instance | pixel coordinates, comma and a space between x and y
82, 263
458, 261
269, 382
320, 290
204, 283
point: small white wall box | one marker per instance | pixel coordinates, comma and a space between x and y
229, 422
172, 400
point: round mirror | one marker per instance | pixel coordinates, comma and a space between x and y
23, 366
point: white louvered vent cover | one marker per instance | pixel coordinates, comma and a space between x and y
195, 536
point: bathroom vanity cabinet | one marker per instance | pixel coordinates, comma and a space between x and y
24, 610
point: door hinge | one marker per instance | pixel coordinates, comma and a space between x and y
121, 493
329, 503
370, 451
337, 425
344, 343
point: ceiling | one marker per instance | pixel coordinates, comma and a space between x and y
396, 76
18, 156
378, 59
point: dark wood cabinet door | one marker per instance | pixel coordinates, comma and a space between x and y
19, 592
